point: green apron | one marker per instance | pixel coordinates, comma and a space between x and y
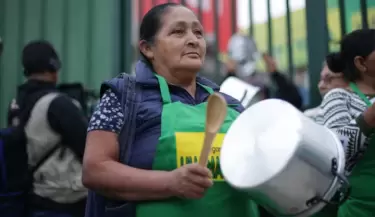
361, 202
182, 132
327, 211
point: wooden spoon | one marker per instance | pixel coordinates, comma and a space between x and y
216, 113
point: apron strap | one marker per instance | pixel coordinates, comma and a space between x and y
207, 88
164, 90
355, 88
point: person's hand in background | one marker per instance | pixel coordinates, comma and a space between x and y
369, 118
231, 66
283, 87
270, 63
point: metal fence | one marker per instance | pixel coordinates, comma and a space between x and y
97, 39
299, 39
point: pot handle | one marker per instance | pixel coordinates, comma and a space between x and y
339, 198
342, 194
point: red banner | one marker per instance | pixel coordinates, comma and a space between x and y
224, 14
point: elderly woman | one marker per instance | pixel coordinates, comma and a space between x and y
351, 114
161, 178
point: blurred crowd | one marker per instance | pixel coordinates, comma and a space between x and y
50, 144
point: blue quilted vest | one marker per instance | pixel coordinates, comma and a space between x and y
126, 89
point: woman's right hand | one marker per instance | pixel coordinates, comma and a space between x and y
190, 181
369, 116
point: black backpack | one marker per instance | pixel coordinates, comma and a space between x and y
15, 175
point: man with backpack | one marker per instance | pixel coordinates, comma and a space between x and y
42, 149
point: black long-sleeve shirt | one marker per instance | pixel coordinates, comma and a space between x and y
286, 90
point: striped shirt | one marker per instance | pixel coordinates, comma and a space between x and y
338, 111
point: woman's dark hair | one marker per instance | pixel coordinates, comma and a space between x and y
151, 23
357, 43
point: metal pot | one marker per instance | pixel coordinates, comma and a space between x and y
284, 161
246, 93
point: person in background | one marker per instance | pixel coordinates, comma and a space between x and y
283, 88
169, 125
350, 113
56, 134
328, 81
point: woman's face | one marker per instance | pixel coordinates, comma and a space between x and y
366, 66
329, 80
370, 63
180, 43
